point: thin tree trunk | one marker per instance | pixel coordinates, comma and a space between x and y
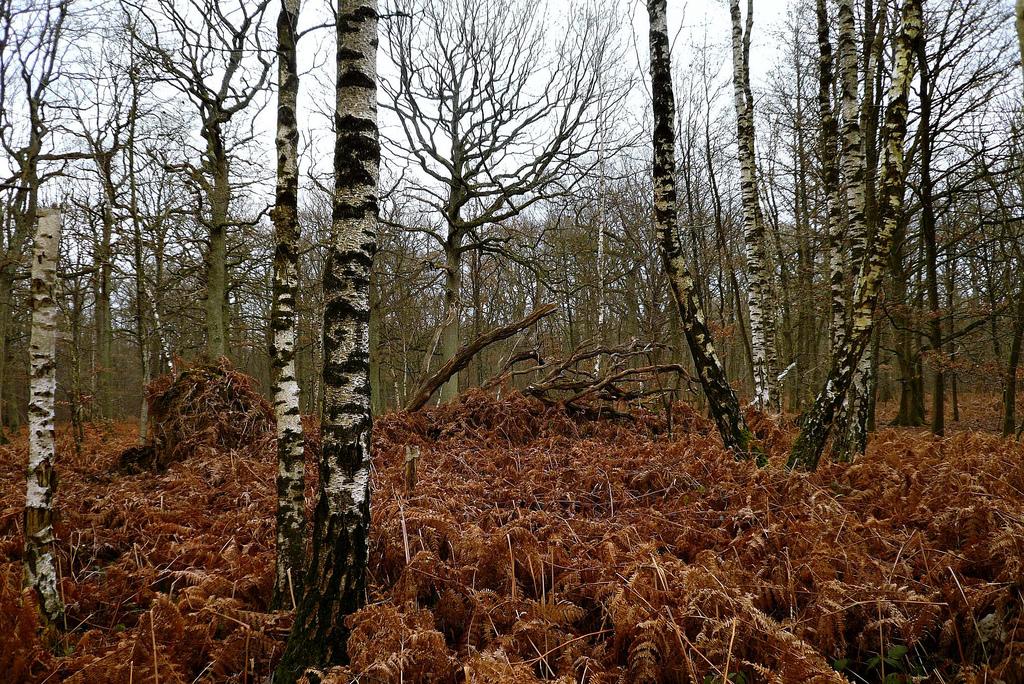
716, 199
6, 292
452, 309
216, 256
951, 344
810, 443
1010, 382
291, 470
873, 390
40, 568
762, 329
376, 366
829, 141
139, 265
336, 575
104, 327
930, 242
722, 399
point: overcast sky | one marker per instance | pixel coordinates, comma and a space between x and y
689, 23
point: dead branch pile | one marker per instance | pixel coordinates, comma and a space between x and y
537, 546
204, 407
596, 380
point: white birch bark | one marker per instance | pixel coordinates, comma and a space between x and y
762, 328
40, 568
829, 142
336, 576
853, 413
291, 471
818, 422
722, 399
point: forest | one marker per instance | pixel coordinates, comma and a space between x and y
513, 341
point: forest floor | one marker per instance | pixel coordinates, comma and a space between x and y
536, 546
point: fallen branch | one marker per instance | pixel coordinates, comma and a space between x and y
466, 353
573, 383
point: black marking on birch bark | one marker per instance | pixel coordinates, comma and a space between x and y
291, 505
818, 423
721, 397
336, 576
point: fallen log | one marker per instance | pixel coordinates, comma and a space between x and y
466, 353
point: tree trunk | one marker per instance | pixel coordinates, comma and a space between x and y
6, 293
853, 415
452, 308
829, 141
336, 575
40, 569
376, 367
810, 443
104, 329
216, 256
1010, 383
930, 243
759, 306
291, 470
139, 261
722, 399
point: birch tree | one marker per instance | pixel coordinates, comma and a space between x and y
721, 397
291, 505
40, 568
828, 142
818, 421
853, 416
759, 305
336, 576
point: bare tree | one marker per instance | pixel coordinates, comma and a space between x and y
214, 55
492, 118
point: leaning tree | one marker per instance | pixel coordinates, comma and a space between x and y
722, 398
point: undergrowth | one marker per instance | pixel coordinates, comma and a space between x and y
539, 546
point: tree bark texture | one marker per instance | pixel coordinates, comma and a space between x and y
810, 443
291, 472
336, 575
40, 568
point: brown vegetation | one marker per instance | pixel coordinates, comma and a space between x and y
206, 406
537, 545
